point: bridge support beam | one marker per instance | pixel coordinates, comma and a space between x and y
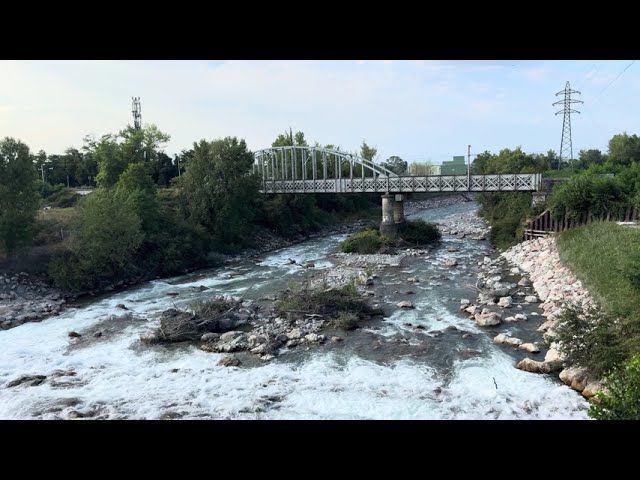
388, 226
398, 210
538, 198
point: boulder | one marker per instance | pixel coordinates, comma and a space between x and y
210, 337
529, 347
524, 282
531, 299
405, 304
122, 306
529, 365
520, 317
487, 319
450, 262
229, 361
413, 280
28, 380
592, 389
294, 334
505, 302
575, 377
472, 309
503, 339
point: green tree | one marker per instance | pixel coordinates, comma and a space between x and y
395, 164
19, 198
590, 157
104, 245
218, 191
620, 398
624, 149
368, 152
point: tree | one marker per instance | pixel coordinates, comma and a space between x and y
590, 157
624, 149
395, 164
106, 239
421, 168
368, 152
19, 199
114, 152
218, 191
288, 139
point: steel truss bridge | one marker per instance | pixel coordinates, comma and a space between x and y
321, 170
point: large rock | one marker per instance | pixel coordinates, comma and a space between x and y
294, 334
505, 302
230, 361
575, 377
405, 304
524, 282
554, 359
28, 380
529, 365
450, 262
229, 336
520, 317
529, 347
592, 389
531, 299
487, 319
471, 309
503, 339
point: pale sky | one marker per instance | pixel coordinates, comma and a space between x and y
418, 110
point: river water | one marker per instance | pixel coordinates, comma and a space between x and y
386, 370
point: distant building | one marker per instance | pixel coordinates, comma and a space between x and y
457, 166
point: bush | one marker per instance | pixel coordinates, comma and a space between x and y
420, 232
62, 198
346, 321
332, 302
591, 338
620, 399
365, 241
212, 306
505, 232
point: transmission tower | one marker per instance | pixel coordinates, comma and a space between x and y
566, 147
136, 109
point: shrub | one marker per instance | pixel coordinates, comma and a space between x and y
591, 338
207, 308
346, 321
365, 241
420, 232
331, 302
620, 399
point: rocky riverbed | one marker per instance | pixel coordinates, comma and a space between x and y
24, 298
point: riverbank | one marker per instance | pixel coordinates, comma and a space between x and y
554, 284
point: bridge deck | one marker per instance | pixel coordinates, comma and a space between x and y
432, 183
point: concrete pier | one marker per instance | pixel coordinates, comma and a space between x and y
388, 226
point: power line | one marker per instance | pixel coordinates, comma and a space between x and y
612, 81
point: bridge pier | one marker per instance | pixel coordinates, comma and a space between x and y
538, 198
392, 215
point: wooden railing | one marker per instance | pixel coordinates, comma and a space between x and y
545, 223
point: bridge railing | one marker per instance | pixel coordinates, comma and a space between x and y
406, 184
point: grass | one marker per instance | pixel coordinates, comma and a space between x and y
603, 256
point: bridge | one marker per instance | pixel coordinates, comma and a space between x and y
297, 169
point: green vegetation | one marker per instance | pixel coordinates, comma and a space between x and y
18, 195
590, 338
365, 241
369, 240
420, 232
342, 305
620, 399
601, 255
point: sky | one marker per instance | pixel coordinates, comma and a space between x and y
420, 110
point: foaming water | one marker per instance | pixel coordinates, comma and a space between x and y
419, 373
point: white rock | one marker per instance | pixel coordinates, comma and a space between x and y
505, 302
503, 339
529, 347
404, 304
520, 316
487, 319
465, 301
294, 334
529, 365
531, 299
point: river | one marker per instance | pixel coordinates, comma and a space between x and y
388, 370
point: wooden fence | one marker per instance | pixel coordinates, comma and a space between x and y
545, 223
